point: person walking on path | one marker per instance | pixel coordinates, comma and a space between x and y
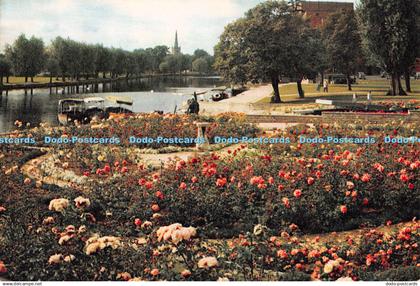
325, 85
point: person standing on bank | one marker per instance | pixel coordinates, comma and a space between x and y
194, 106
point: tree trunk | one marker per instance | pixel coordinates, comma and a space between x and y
7, 79
51, 78
1, 79
322, 78
348, 81
400, 88
26, 79
300, 89
393, 87
32, 79
407, 80
275, 84
63, 78
77, 83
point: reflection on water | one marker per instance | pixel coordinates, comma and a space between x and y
150, 94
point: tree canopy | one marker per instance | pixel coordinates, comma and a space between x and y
27, 56
390, 35
268, 42
343, 43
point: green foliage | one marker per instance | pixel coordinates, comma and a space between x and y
176, 63
26, 56
390, 35
270, 41
200, 65
343, 43
403, 273
5, 66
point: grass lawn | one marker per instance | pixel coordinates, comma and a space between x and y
289, 93
37, 79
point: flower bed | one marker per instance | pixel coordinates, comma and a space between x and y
240, 216
148, 125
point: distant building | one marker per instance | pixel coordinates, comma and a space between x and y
318, 11
176, 49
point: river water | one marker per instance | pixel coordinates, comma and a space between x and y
148, 94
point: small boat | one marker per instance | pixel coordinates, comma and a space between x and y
82, 110
123, 103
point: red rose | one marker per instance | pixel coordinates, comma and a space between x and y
365, 202
411, 186
343, 209
282, 254
194, 179
221, 182
297, 193
286, 202
379, 167
137, 222
3, 268
261, 186
366, 178
182, 186
148, 185
404, 178
107, 169
159, 195
142, 182
155, 208
124, 170
310, 180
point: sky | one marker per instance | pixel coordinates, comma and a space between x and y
127, 24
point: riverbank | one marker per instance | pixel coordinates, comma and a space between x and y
46, 82
256, 100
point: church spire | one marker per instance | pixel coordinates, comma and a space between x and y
176, 49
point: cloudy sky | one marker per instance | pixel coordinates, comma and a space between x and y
127, 24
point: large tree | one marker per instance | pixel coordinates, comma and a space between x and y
200, 65
88, 59
68, 55
303, 55
260, 46
120, 63
343, 43
389, 36
52, 66
5, 68
27, 56
104, 60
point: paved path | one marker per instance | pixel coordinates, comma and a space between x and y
239, 103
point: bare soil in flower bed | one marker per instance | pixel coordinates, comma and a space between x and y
252, 213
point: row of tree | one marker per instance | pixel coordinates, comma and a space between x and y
275, 40
69, 58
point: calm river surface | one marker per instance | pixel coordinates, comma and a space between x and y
148, 95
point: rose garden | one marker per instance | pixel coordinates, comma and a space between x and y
239, 212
